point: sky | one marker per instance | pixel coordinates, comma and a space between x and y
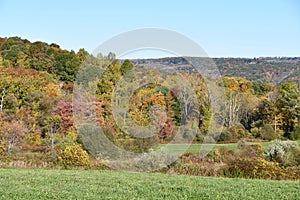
224, 28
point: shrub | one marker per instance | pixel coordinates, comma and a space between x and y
209, 139
153, 161
188, 134
224, 151
199, 137
253, 150
97, 141
225, 136
205, 168
196, 165
223, 154
72, 155
138, 145
283, 152
144, 144
255, 132
227, 163
250, 150
2, 149
253, 168
99, 164
238, 131
34, 138
267, 132
241, 144
295, 135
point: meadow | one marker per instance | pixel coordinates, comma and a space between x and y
195, 148
101, 184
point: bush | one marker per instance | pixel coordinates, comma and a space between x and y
141, 145
154, 161
138, 145
238, 131
295, 135
196, 165
284, 152
194, 169
253, 150
2, 149
99, 164
72, 155
209, 139
97, 141
253, 168
234, 133
225, 136
255, 132
199, 137
223, 154
267, 132
241, 144
227, 163
250, 150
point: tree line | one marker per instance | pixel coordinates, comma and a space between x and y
36, 107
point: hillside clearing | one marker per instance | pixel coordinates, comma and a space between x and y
195, 148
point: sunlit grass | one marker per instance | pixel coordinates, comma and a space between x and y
92, 184
195, 148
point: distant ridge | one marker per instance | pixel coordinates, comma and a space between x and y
265, 69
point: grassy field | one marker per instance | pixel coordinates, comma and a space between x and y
195, 148
89, 184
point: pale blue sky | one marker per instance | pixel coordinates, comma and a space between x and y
223, 28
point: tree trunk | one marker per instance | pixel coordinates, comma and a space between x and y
2, 100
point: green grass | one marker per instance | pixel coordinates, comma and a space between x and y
91, 184
195, 148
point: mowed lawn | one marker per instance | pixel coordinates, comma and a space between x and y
92, 184
195, 148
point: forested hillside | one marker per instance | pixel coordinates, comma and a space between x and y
37, 105
266, 69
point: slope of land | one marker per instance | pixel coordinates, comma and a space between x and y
266, 69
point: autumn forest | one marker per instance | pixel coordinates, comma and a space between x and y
42, 104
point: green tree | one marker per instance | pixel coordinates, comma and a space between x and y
67, 65
289, 105
126, 66
82, 54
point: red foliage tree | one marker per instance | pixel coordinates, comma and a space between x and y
64, 110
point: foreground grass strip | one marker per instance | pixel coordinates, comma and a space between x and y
91, 184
